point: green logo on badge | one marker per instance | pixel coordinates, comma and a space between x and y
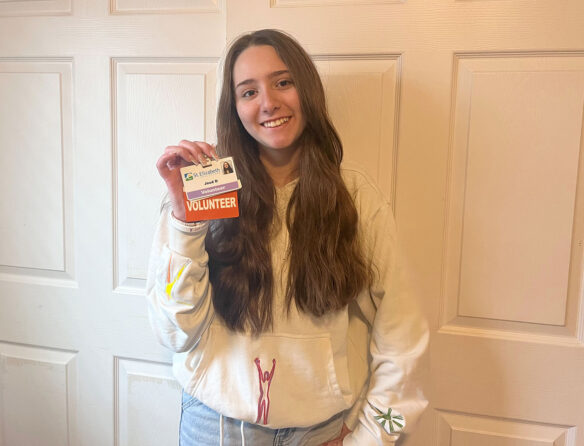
188, 176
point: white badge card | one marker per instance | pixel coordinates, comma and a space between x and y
214, 178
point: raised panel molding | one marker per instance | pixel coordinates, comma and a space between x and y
38, 401
37, 230
171, 6
459, 429
156, 103
512, 266
363, 98
35, 7
142, 388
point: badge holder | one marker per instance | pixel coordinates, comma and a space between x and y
210, 190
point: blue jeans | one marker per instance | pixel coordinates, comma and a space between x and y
202, 426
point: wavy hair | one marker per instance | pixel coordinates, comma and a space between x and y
327, 265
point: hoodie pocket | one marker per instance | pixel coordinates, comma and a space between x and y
277, 380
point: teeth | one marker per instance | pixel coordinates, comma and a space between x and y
276, 123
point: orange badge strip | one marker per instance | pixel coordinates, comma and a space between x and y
213, 208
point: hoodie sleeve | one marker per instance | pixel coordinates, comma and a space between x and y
399, 337
178, 289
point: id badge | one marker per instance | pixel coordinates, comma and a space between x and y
210, 190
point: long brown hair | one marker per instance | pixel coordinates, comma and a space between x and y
327, 266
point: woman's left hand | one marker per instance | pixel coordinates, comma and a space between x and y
339, 440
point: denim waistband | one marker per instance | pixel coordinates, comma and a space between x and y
202, 426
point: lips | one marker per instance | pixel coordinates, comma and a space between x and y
275, 122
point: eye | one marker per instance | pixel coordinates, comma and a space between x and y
248, 93
283, 83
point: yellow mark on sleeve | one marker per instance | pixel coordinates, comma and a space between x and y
170, 285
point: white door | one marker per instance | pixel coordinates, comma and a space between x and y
90, 94
468, 113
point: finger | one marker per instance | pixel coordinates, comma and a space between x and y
183, 153
189, 152
197, 147
165, 161
167, 164
177, 163
204, 159
214, 152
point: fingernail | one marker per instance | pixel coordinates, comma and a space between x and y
204, 159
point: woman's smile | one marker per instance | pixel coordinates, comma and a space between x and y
276, 122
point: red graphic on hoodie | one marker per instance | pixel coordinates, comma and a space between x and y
264, 400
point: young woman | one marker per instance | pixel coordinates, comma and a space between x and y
290, 324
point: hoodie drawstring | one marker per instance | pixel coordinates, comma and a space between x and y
220, 430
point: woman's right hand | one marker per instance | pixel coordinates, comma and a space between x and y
170, 163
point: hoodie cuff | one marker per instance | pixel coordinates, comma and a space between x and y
185, 226
187, 239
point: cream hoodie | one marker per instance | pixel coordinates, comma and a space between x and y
360, 360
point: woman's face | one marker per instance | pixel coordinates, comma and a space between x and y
266, 99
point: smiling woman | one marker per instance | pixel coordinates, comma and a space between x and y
290, 322
267, 103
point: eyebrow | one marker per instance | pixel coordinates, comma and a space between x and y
271, 75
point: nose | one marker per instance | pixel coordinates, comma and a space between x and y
270, 101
